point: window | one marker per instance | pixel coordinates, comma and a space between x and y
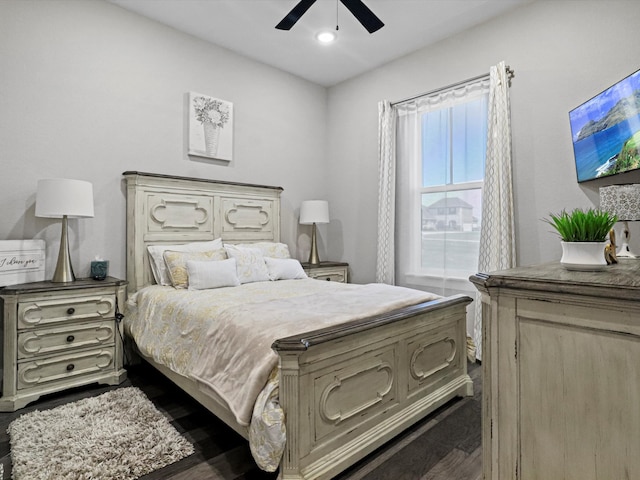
441, 147
450, 187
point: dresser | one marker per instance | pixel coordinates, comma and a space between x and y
59, 335
561, 367
329, 271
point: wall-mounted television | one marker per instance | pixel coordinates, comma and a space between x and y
605, 131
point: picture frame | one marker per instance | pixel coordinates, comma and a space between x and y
21, 261
210, 126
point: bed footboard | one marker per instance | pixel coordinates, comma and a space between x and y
349, 389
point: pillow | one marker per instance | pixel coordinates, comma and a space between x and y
176, 263
284, 268
250, 264
269, 249
159, 268
204, 275
273, 249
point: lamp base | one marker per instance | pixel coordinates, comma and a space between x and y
314, 259
64, 270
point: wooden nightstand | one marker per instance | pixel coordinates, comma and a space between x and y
330, 271
59, 335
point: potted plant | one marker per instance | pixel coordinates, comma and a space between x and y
583, 234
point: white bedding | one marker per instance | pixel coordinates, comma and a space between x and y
222, 337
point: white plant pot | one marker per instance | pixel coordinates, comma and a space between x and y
587, 256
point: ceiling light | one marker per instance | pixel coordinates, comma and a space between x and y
326, 37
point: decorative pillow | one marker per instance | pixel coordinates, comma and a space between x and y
205, 275
250, 264
176, 263
269, 249
284, 268
159, 268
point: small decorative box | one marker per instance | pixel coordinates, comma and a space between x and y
99, 269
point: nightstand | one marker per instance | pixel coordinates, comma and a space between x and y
59, 335
330, 271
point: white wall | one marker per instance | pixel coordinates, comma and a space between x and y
563, 53
89, 90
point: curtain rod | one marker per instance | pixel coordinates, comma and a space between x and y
510, 75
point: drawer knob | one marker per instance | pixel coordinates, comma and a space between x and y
71, 311
70, 367
70, 338
328, 279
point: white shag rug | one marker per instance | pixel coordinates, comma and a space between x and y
118, 435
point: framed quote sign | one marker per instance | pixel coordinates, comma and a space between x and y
21, 261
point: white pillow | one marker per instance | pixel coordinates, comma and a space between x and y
212, 274
250, 264
284, 268
269, 249
273, 249
176, 263
159, 267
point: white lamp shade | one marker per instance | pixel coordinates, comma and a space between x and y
314, 211
57, 197
622, 200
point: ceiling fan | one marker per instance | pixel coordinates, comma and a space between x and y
359, 10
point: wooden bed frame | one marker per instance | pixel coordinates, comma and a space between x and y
345, 390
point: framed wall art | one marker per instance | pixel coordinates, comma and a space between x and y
210, 127
21, 261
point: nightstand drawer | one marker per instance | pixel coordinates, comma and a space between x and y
327, 271
47, 341
330, 275
61, 368
52, 311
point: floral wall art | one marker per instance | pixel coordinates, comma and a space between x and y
210, 127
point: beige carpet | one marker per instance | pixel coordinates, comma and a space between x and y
117, 435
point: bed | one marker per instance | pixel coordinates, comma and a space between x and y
345, 388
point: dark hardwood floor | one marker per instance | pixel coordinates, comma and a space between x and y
444, 446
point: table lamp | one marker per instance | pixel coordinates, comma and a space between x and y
63, 198
623, 201
311, 213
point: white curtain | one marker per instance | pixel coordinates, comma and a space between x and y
385, 268
435, 273
497, 232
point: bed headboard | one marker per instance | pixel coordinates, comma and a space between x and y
165, 209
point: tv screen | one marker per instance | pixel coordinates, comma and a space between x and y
606, 131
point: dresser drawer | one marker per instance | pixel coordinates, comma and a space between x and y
47, 341
61, 368
53, 311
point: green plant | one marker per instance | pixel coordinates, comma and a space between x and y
582, 226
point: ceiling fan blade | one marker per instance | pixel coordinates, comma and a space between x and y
294, 15
365, 16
